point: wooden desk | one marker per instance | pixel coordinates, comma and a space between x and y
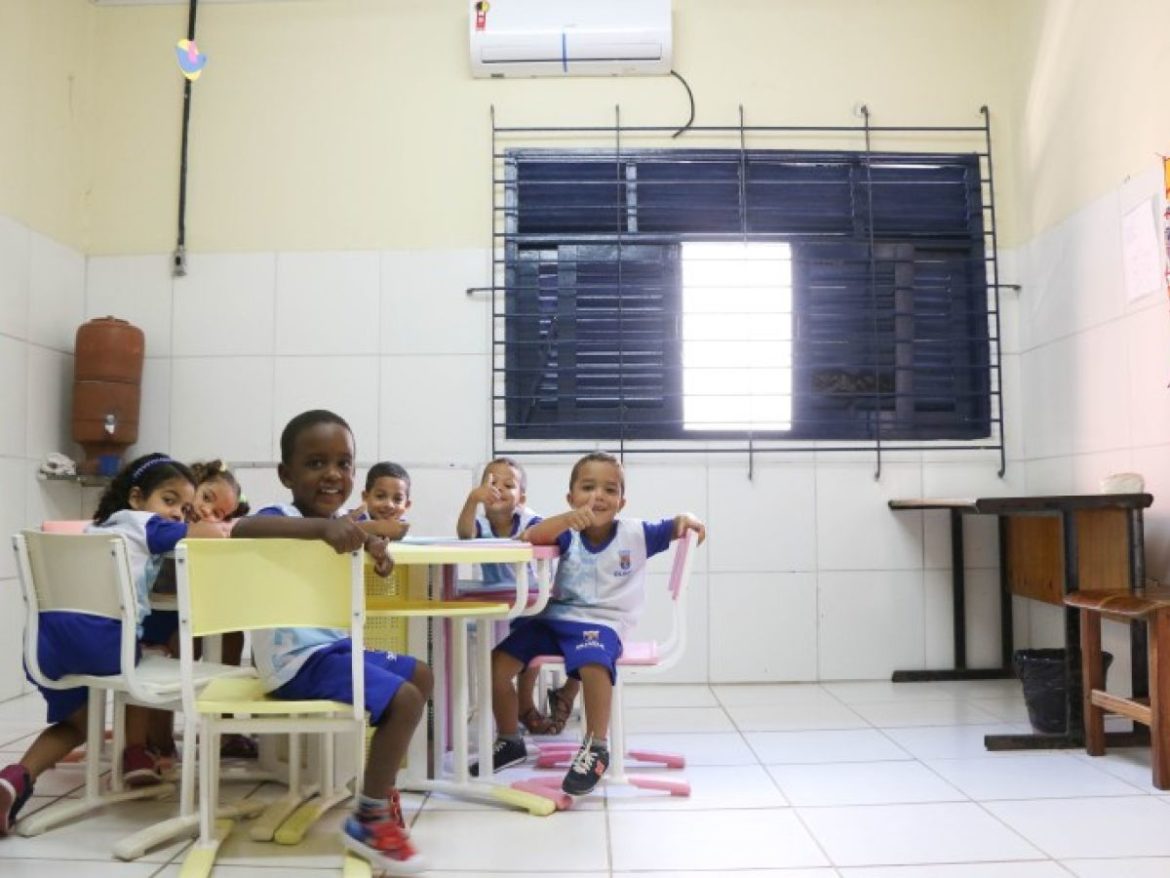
1048, 547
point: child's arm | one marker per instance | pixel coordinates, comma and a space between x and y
545, 533
485, 493
342, 534
684, 522
386, 528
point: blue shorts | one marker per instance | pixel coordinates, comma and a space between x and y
75, 643
326, 674
580, 643
159, 626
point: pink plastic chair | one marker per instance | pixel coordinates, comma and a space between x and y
65, 526
649, 656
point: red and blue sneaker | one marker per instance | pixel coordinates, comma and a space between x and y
377, 837
15, 788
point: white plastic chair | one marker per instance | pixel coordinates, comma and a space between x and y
90, 573
245, 585
639, 658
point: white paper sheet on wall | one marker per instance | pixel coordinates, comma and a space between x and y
1140, 251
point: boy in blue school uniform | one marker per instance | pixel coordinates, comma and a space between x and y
317, 463
597, 597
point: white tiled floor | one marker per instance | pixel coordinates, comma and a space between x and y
853, 780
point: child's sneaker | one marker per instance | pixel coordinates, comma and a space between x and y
238, 747
505, 754
586, 768
379, 839
139, 767
15, 788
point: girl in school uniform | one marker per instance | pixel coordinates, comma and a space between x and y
146, 504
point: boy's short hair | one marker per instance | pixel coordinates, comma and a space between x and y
598, 457
302, 422
507, 461
387, 470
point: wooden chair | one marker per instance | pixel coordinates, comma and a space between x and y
638, 658
1152, 606
90, 573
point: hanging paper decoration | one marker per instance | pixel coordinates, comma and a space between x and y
191, 62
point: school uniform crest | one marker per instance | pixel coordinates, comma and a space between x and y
624, 559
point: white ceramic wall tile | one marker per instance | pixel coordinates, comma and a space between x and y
14, 265
871, 624
225, 305
13, 483
656, 623
656, 490
154, 411
1050, 475
1010, 271
11, 633
437, 495
1049, 398
50, 501
434, 409
1102, 414
548, 482
222, 407
50, 403
1089, 469
327, 303
982, 611
261, 485
764, 523
763, 627
133, 288
425, 306
1015, 416
13, 395
347, 386
56, 283
856, 529
1154, 463
1147, 339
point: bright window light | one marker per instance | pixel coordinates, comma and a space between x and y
737, 336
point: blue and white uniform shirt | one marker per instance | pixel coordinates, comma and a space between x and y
497, 575
606, 584
280, 652
148, 537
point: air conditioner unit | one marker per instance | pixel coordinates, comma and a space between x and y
569, 37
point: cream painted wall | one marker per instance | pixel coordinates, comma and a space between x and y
351, 125
47, 105
1093, 109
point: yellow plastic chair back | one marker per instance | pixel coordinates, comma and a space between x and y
249, 584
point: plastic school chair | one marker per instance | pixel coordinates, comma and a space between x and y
245, 585
90, 573
639, 657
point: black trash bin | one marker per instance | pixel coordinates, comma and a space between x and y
1041, 671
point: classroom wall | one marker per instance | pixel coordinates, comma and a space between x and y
338, 208
1094, 360
46, 80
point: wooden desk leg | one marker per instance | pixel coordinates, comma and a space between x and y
1159, 663
1094, 678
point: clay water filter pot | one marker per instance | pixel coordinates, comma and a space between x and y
107, 381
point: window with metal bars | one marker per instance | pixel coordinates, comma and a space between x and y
712, 294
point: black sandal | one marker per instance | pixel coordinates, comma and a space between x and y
559, 710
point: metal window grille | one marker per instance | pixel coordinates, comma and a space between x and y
888, 323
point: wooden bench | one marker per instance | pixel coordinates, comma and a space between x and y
1150, 605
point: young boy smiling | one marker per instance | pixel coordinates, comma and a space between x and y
317, 461
596, 600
